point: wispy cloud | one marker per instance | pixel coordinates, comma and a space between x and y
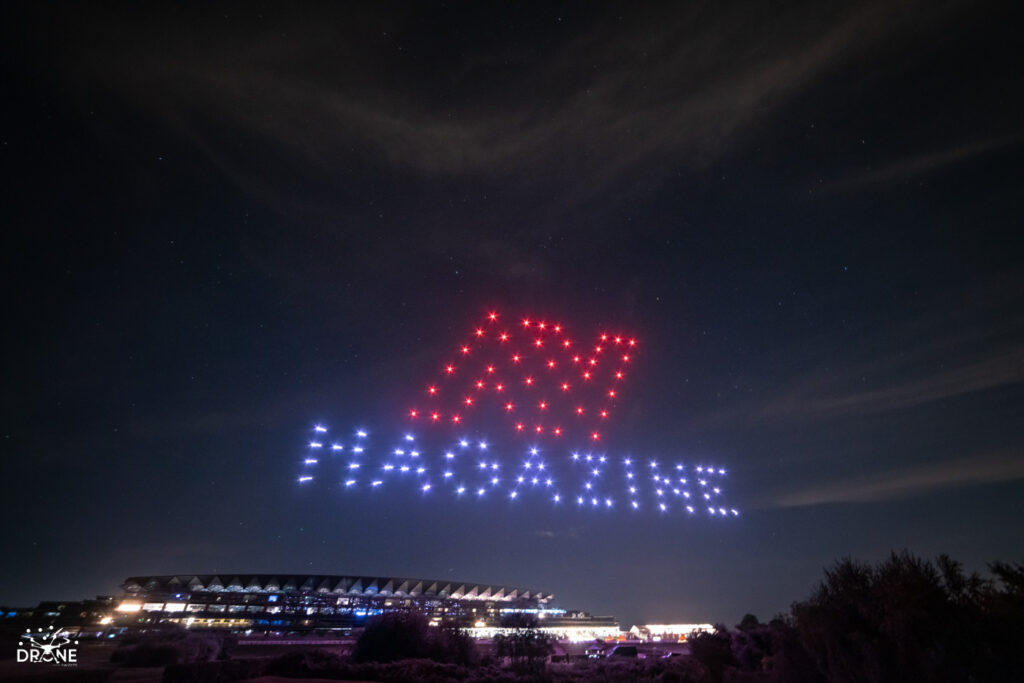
923, 164
968, 341
909, 482
622, 93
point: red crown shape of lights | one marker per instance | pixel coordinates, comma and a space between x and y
542, 380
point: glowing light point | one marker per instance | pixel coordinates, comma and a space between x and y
319, 429
311, 461
337, 447
479, 492
558, 498
315, 444
425, 487
636, 505
303, 480
463, 443
460, 490
449, 455
350, 482
376, 482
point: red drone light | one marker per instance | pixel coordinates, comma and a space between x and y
593, 397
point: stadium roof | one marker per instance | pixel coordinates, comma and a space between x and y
342, 585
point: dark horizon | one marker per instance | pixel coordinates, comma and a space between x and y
228, 224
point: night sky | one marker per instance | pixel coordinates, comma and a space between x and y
223, 226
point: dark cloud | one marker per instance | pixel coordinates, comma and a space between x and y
894, 484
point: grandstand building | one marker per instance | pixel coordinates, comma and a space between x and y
335, 605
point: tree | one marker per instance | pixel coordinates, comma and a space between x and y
526, 646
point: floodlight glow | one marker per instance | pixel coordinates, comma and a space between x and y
320, 429
463, 443
305, 479
357, 449
449, 455
635, 505
376, 482
410, 437
460, 490
479, 492
311, 461
350, 482
426, 487
483, 445
421, 470
399, 451
353, 466
315, 444
361, 434
388, 468
557, 498
405, 468
689, 508
336, 447
514, 494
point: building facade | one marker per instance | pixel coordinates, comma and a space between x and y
335, 605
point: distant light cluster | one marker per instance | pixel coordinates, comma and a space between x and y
551, 392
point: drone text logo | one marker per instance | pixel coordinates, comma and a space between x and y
48, 647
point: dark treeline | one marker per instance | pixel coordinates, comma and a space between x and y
905, 619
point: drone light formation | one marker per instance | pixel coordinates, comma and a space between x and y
547, 393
